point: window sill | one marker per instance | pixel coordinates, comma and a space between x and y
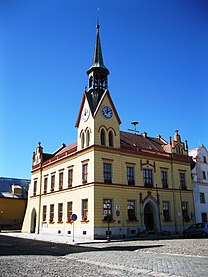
84, 221
51, 222
69, 222
167, 220
44, 222
60, 222
110, 221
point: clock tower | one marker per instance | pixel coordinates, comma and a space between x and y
98, 121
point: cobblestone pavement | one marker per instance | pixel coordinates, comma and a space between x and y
182, 257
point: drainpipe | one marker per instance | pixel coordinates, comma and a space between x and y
173, 187
40, 190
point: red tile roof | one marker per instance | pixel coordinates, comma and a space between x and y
130, 140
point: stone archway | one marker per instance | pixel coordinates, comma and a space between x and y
33, 221
150, 215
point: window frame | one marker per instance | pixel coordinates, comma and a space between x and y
45, 185
202, 198
70, 177
85, 209
60, 212
182, 178
51, 220
61, 180
131, 216
69, 211
35, 185
107, 172
148, 177
130, 174
184, 208
164, 178
53, 182
84, 173
44, 214
166, 210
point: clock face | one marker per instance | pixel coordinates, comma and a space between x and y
85, 114
107, 112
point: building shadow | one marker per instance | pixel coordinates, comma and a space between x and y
11, 246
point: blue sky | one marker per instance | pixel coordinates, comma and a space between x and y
156, 52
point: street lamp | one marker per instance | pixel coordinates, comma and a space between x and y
1, 227
108, 206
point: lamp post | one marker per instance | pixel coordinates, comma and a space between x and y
108, 205
1, 227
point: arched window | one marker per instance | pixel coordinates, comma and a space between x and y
82, 140
90, 82
110, 138
87, 138
102, 137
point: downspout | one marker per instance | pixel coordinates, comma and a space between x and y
173, 187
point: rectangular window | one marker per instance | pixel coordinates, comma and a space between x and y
204, 217
52, 182
60, 212
44, 213
131, 210
130, 175
204, 159
84, 209
84, 173
202, 197
69, 211
107, 210
184, 206
164, 178
204, 175
35, 187
182, 180
166, 210
45, 185
51, 213
107, 173
70, 178
61, 180
148, 178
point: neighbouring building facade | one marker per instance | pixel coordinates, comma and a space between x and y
116, 182
13, 202
200, 182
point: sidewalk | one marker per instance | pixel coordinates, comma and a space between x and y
50, 238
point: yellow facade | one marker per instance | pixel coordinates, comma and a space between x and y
113, 181
12, 212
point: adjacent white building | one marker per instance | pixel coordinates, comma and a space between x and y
200, 182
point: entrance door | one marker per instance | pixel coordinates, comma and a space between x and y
33, 221
149, 217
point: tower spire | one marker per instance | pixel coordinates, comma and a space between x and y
97, 74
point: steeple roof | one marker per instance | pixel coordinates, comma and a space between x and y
97, 62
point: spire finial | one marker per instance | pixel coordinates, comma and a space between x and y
98, 18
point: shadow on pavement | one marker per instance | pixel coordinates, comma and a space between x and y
19, 246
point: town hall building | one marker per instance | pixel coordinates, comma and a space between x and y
115, 183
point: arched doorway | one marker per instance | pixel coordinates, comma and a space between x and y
150, 215
33, 221
149, 218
